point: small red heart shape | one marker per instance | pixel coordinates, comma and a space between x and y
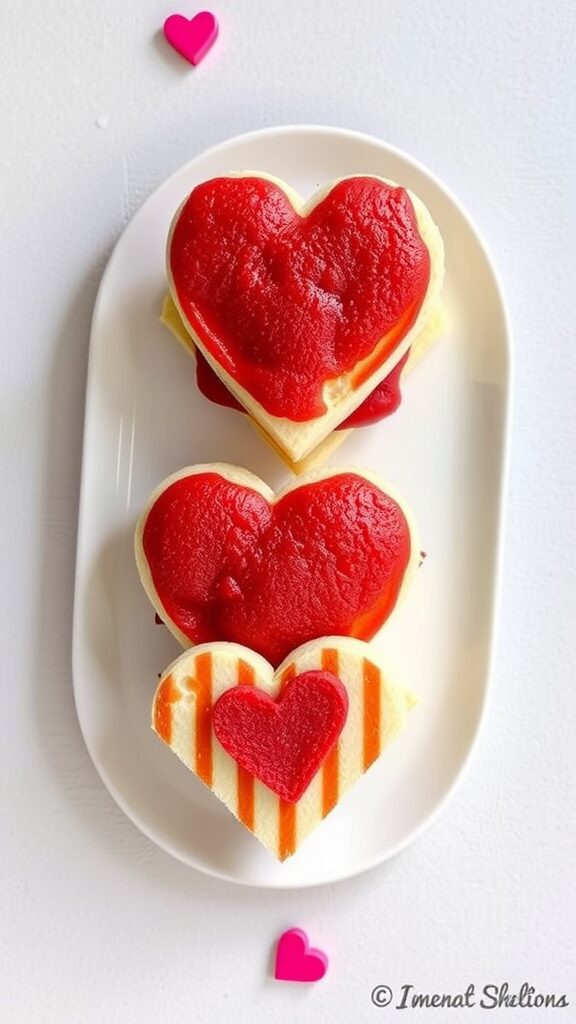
282, 742
191, 39
296, 960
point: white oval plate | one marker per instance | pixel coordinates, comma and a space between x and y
445, 450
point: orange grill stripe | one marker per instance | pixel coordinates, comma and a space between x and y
245, 781
167, 695
331, 766
286, 829
246, 674
371, 717
286, 811
203, 686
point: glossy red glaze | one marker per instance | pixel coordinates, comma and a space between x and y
327, 559
212, 387
382, 402
285, 303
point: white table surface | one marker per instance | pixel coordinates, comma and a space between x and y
97, 925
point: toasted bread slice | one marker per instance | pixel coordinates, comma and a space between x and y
340, 395
182, 717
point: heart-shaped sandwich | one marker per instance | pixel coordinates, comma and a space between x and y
279, 748
222, 557
303, 308
379, 404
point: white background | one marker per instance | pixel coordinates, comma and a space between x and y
97, 924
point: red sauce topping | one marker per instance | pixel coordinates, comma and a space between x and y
383, 401
282, 742
285, 303
327, 559
210, 385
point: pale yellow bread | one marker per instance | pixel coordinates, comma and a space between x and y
297, 439
310, 462
181, 715
430, 332
244, 478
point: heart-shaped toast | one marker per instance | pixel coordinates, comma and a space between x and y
222, 557
184, 715
302, 309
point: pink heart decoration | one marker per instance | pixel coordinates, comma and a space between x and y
192, 39
296, 961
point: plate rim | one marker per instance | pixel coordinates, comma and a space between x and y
502, 481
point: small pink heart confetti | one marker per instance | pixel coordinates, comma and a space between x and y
192, 39
296, 961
